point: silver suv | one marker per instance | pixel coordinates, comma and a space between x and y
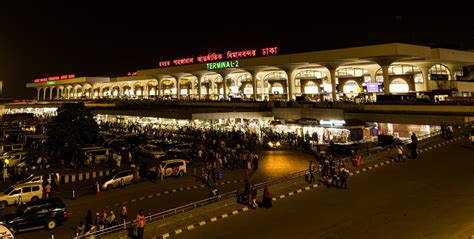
117, 179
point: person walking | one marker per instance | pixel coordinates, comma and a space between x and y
414, 145
399, 152
140, 224
47, 190
344, 174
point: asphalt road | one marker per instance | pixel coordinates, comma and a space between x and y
153, 198
431, 197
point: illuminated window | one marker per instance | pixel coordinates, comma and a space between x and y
439, 72
399, 86
248, 90
401, 69
277, 88
311, 88
351, 88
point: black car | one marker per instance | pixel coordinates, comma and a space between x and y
39, 214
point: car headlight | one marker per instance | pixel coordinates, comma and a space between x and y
270, 143
278, 143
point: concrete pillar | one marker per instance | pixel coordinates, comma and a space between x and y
224, 79
254, 85
213, 88
426, 80
38, 93
158, 88
145, 91
332, 75
178, 89
199, 86
44, 93
386, 80
291, 84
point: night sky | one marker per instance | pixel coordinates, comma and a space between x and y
38, 41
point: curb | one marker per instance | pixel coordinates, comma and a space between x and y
78, 177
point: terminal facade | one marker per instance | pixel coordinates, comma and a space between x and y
262, 74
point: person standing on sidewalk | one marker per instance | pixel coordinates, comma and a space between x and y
311, 171
140, 224
123, 217
414, 145
399, 152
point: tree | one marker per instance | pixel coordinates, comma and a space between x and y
73, 127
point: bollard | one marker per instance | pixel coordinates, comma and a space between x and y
52, 236
73, 196
97, 188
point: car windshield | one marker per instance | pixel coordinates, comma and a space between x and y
8, 190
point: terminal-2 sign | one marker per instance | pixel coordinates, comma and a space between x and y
222, 64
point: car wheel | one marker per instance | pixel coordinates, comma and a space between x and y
51, 224
110, 187
4, 204
180, 174
34, 198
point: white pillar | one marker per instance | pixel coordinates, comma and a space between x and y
38, 93
224, 80
386, 80
178, 89
145, 91
254, 85
291, 85
199, 86
44, 92
426, 80
332, 75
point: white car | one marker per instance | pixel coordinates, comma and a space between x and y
153, 151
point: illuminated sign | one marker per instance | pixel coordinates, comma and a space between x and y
372, 87
55, 78
332, 122
222, 64
132, 73
51, 83
218, 56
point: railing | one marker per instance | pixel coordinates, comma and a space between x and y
200, 203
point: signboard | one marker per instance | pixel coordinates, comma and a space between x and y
230, 55
55, 78
372, 87
332, 122
222, 64
51, 83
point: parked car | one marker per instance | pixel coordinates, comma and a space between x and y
28, 192
43, 213
40, 178
176, 155
116, 179
6, 231
15, 158
173, 167
152, 151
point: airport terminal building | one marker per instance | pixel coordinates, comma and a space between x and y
263, 74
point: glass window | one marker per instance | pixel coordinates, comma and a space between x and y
36, 188
15, 192
26, 189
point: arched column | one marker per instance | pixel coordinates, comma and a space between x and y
386, 79
38, 92
44, 92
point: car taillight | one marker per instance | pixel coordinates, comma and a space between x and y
65, 214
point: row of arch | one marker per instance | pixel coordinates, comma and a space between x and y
261, 85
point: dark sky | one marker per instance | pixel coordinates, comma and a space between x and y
38, 41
